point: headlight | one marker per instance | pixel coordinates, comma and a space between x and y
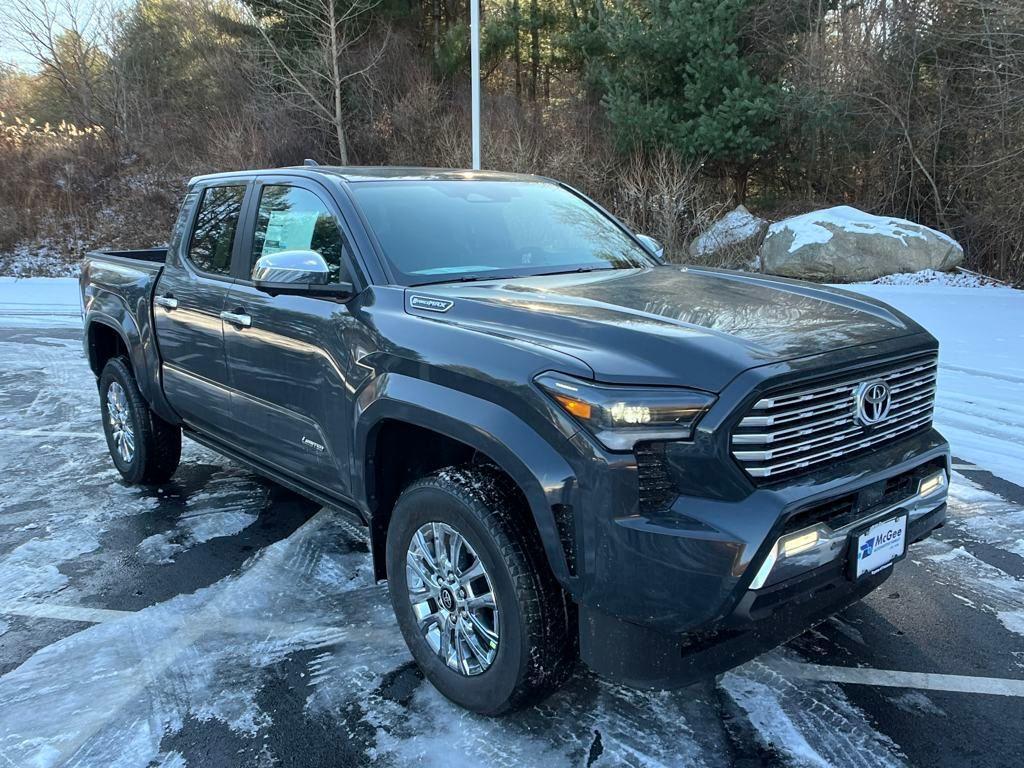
621, 416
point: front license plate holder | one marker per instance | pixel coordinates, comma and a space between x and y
877, 545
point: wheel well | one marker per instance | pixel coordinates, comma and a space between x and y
399, 454
104, 344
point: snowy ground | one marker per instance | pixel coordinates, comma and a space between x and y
221, 621
980, 403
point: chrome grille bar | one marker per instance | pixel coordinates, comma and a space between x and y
798, 427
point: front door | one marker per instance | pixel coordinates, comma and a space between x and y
188, 302
289, 357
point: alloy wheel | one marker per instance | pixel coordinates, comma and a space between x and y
452, 598
120, 422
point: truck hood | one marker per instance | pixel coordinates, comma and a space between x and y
665, 325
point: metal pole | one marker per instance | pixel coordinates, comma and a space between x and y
474, 56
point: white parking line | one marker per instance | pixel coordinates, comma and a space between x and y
61, 612
51, 433
962, 467
890, 678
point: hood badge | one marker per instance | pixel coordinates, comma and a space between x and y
872, 402
430, 304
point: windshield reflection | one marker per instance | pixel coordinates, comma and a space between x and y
435, 231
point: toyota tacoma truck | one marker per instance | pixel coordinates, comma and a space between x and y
562, 447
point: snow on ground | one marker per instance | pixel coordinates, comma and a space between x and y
46, 258
980, 402
934, 277
40, 302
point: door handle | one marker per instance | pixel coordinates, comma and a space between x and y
237, 318
167, 301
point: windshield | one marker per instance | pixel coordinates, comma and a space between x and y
440, 231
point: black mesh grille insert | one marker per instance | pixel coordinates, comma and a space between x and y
657, 491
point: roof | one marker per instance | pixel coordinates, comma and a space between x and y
394, 173
379, 173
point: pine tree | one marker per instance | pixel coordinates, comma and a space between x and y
674, 77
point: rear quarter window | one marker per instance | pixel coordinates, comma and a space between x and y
216, 222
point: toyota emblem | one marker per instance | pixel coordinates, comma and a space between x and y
872, 402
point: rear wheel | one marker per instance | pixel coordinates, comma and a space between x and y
144, 447
476, 602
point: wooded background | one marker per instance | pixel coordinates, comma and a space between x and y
669, 112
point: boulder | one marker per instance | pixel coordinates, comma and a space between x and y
733, 238
843, 244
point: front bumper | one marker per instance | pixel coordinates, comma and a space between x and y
641, 657
667, 597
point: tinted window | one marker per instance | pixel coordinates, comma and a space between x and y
214, 234
294, 219
440, 230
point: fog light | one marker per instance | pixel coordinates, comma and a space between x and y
798, 542
932, 483
788, 546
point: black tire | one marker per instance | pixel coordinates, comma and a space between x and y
157, 443
538, 641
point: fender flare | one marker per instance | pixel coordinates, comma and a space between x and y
544, 476
111, 311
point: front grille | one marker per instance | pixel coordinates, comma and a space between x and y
796, 428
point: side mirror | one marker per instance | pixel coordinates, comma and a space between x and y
296, 273
657, 249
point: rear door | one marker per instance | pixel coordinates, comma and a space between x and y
189, 299
289, 358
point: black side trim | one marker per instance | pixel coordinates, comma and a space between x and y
565, 521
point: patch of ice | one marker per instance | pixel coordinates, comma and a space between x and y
115, 690
825, 733
814, 227
917, 703
193, 529
1012, 620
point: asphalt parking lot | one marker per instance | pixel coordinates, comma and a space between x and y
223, 621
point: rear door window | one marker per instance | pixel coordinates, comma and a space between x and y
213, 236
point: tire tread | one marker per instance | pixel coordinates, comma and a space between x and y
157, 442
547, 612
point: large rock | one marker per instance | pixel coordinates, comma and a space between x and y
843, 244
734, 237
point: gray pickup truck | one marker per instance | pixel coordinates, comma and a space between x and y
562, 447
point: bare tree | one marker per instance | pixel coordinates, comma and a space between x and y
63, 38
332, 48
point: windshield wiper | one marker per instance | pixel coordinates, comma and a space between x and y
473, 279
579, 270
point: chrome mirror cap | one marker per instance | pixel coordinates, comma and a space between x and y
289, 267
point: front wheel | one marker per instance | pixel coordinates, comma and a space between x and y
144, 447
475, 600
